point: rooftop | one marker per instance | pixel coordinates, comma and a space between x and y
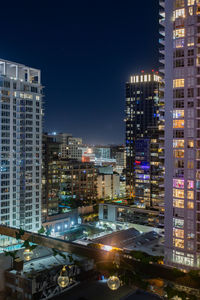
99, 290
144, 78
20, 72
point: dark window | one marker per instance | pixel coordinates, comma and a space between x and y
179, 93
190, 92
179, 63
191, 52
190, 62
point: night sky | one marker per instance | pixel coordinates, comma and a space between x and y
86, 51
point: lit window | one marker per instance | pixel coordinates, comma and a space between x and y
190, 184
178, 83
178, 233
190, 2
198, 154
178, 203
190, 144
178, 43
178, 223
178, 243
198, 10
190, 205
191, 11
26, 96
178, 193
178, 183
178, 114
190, 164
178, 123
190, 195
178, 143
190, 41
179, 3
179, 13
178, 33
179, 153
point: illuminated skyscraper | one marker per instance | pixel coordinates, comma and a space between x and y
180, 54
142, 140
20, 145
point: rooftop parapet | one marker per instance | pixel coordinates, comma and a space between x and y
20, 72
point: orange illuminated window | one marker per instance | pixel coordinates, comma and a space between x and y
178, 243
198, 9
190, 195
178, 123
190, 164
190, 2
178, 193
179, 153
178, 233
190, 144
178, 203
178, 143
178, 33
190, 205
178, 83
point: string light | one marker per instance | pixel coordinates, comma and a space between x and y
63, 279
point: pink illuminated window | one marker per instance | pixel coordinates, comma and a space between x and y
190, 184
178, 183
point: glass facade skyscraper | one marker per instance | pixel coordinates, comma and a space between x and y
142, 140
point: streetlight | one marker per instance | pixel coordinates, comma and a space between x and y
63, 279
28, 254
113, 283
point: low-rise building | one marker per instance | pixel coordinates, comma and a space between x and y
73, 148
111, 212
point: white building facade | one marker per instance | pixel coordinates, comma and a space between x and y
181, 50
108, 186
20, 145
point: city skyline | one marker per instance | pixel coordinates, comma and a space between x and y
85, 56
100, 150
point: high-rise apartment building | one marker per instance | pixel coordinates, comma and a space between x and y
20, 145
50, 184
67, 184
142, 140
181, 48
